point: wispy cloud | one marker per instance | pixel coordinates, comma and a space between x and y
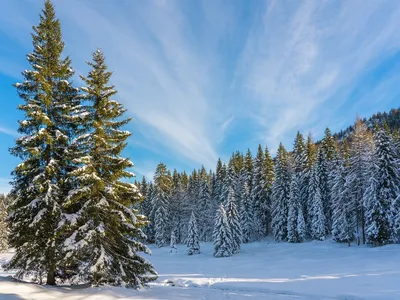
8, 131
301, 54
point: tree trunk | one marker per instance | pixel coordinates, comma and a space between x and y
51, 278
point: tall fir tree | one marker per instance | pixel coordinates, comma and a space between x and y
105, 231
317, 221
192, 240
343, 208
296, 227
280, 195
234, 221
40, 182
360, 159
258, 193
381, 198
205, 210
222, 234
161, 200
246, 214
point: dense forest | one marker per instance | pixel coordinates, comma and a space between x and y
346, 186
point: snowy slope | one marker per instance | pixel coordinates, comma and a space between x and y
265, 270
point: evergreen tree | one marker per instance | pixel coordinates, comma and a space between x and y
316, 208
246, 214
280, 195
222, 234
258, 193
103, 244
234, 221
248, 168
192, 240
343, 212
205, 209
296, 227
381, 197
161, 200
3, 224
269, 178
147, 210
324, 182
40, 182
360, 157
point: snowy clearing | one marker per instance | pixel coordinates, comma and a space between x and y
264, 270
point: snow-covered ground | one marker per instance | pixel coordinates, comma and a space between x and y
264, 270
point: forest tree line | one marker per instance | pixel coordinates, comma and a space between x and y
348, 189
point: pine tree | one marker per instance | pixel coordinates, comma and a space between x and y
316, 208
280, 195
3, 224
343, 208
246, 214
381, 198
269, 178
323, 173
147, 210
222, 234
172, 243
161, 200
234, 221
40, 182
296, 228
258, 193
192, 240
102, 247
248, 168
205, 209
360, 157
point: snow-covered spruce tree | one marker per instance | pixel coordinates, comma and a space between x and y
3, 224
192, 240
147, 206
234, 221
248, 168
222, 234
269, 178
246, 214
296, 227
102, 247
258, 194
300, 169
204, 212
280, 195
172, 243
360, 159
40, 181
326, 164
161, 201
176, 208
316, 208
343, 208
381, 198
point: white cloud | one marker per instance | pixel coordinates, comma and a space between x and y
300, 54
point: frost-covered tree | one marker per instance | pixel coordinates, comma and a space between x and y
161, 200
296, 227
280, 195
204, 211
234, 221
343, 208
222, 234
172, 244
246, 214
40, 182
258, 193
192, 240
3, 224
316, 207
103, 243
360, 158
323, 174
381, 198
248, 168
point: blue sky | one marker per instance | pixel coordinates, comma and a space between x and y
204, 78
